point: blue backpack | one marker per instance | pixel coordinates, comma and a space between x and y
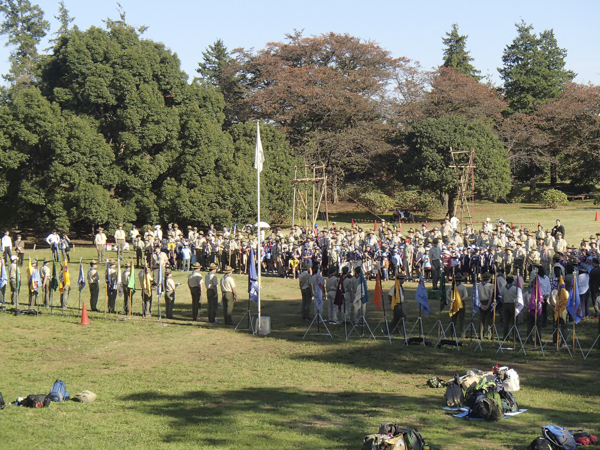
560, 438
59, 393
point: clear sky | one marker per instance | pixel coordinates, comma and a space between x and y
413, 29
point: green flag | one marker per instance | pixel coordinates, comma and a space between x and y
443, 297
131, 284
54, 280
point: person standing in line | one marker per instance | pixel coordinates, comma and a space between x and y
20, 249
120, 241
229, 294
6, 247
486, 294
145, 278
100, 243
170, 287
331, 284
14, 278
126, 291
195, 285
45, 280
397, 309
112, 287
212, 292
306, 291
63, 245
435, 254
53, 240
133, 234
93, 279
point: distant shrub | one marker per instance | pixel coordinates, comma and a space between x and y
553, 198
375, 200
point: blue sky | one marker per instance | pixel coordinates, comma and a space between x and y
413, 29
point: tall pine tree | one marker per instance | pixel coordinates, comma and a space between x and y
25, 27
456, 54
65, 22
214, 58
534, 69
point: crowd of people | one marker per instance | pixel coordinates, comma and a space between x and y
331, 261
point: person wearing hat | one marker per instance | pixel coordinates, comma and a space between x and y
331, 287
509, 296
20, 249
305, 290
397, 308
33, 287
458, 319
195, 285
126, 291
186, 254
45, 281
100, 243
111, 282
212, 292
485, 290
133, 234
120, 241
170, 287
14, 278
146, 279
435, 255
6, 247
93, 280
228, 294
139, 252
561, 245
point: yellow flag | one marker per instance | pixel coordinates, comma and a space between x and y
147, 282
396, 298
455, 301
29, 274
561, 301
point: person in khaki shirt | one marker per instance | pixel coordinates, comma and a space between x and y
212, 292
170, 287
45, 280
306, 291
229, 294
100, 243
120, 240
195, 285
93, 279
486, 298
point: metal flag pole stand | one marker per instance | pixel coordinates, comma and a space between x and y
440, 330
421, 336
494, 336
471, 327
319, 319
361, 322
397, 327
537, 338
576, 340
250, 326
593, 345
515, 330
558, 333
106, 294
445, 334
384, 320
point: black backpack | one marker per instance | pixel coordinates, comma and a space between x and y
540, 443
412, 438
37, 401
488, 409
454, 394
509, 403
2, 404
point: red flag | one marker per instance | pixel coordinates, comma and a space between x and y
352, 222
378, 292
375, 226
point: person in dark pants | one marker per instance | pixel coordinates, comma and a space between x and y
93, 279
195, 285
126, 291
170, 287
595, 284
509, 296
212, 292
306, 290
435, 254
229, 294
397, 308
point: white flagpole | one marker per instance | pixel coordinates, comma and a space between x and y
259, 157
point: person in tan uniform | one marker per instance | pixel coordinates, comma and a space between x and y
195, 285
486, 298
120, 240
229, 295
170, 287
100, 243
93, 279
212, 292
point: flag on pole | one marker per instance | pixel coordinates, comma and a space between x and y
252, 281
476, 301
455, 300
574, 303
54, 280
81, 280
362, 291
519, 303
159, 284
398, 297
443, 295
536, 298
65, 279
421, 296
562, 299
131, 284
147, 287
33, 277
3, 276
318, 294
119, 279
378, 292
259, 156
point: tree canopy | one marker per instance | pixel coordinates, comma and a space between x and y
456, 54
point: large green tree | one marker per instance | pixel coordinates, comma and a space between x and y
456, 54
214, 60
534, 69
427, 161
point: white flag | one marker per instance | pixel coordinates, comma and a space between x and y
259, 156
519, 303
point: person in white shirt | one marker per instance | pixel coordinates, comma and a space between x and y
6, 247
120, 241
454, 221
53, 240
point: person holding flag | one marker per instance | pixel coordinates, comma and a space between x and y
396, 299
64, 286
485, 291
534, 307
111, 282
458, 295
170, 287
560, 309
509, 297
421, 296
228, 295
34, 283
145, 276
128, 291
3, 282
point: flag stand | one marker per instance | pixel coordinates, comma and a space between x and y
515, 334
558, 332
319, 320
537, 338
362, 322
440, 329
494, 336
445, 333
403, 330
593, 345
250, 326
419, 321
471, 326
384, 319
576, 339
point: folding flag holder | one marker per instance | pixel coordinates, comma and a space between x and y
557, 331
319, 319
361, 322
445, 334
517, 334
250, 326
397, 327
593, 345
576, 339
386, 333
418, 322
440, 329
494, 332
535, 331
464, 335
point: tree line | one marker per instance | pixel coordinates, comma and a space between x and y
106, 128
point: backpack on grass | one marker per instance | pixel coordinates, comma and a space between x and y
509, 403
59, 393
559, 437
37, 401
488, 409
410, 437
583, 438
540, 443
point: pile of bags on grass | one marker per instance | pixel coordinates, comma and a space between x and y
58, 393
555, 437
392, 436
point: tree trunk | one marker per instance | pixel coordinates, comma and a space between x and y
533, 183
334, 191
444, 200
451, 206
553, 174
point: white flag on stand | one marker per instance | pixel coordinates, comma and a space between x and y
259, 156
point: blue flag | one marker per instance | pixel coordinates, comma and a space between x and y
574, 303
3, 277
476, 301
81, 281
252, 280
159, 286
363, 285
421, 296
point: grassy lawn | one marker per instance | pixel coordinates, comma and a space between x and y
202, 385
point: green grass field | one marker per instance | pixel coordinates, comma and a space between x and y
200, 385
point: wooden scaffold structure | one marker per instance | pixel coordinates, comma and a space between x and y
307, 207
466, 181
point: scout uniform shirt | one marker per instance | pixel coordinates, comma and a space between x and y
100, 239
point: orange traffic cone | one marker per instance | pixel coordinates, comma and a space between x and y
84, 316
375, 226
596, 216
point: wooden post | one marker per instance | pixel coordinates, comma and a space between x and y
294, 200
325, 188
312, 224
